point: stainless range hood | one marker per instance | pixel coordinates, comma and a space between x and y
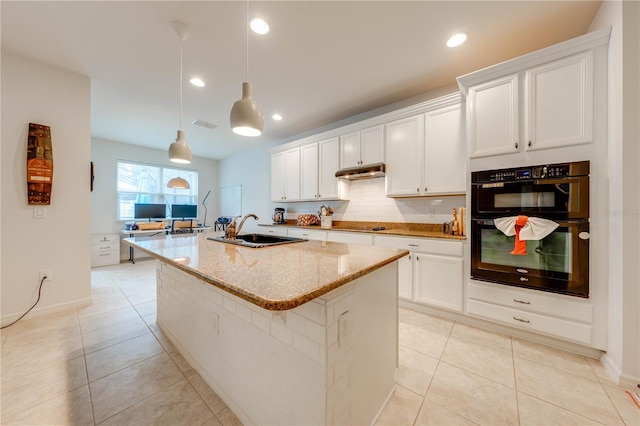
362, 172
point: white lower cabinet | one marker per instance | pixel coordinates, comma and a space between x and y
432, 273
105, 250
350, 238
553, 314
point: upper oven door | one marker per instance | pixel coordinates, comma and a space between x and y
563, 198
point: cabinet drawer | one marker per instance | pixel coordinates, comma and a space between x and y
102, 239
98, 248
105, 258
422, 245
350, 238
310, 234
528, 320
547, 304
280, 232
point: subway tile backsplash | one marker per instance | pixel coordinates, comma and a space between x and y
367, 203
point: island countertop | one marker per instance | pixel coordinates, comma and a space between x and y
276, 278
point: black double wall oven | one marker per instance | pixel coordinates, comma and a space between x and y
558, 262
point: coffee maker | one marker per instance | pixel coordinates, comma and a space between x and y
279, 215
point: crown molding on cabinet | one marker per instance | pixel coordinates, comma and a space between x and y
422, 107
575, 45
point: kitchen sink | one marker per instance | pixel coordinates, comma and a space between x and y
258, 240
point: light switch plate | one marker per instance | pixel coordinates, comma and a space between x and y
39, 212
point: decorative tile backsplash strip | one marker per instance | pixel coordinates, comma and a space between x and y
368, 203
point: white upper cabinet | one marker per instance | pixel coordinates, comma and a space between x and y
445, 165
285, 175
362, 147
318, 165
538, 101
328, 165
492, 110
309, 172
426, 154
560, 102
404, 150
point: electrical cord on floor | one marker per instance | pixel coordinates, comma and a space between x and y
34, 305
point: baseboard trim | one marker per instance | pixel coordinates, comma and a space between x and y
75, 304
623, 380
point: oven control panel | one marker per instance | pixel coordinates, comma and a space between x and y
549, 171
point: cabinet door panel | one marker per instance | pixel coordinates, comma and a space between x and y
328, 164
493, 117
372, 145
438, 281
445, 155
350, 150
309, 172
560, 103
277, 176
404, 148
292, 174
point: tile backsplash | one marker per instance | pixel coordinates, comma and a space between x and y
367, 203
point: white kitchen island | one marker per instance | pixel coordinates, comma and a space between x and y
303, 333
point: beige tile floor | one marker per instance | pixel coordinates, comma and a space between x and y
109, 364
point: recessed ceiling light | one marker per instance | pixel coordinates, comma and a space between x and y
197, 82
259, 26
456, 40
276, 117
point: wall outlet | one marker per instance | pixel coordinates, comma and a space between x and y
46, 273
344, 329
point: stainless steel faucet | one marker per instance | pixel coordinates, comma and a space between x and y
243, 219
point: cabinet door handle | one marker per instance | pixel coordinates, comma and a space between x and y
417, 257
521, 301
417, 189
521, 320
516, 145
409, 257
529, 144
305, 235
425, 189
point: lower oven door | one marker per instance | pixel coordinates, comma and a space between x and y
558, 263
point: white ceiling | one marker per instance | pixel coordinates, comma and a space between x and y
322, 61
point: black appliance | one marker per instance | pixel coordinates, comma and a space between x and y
279, 215
558, 262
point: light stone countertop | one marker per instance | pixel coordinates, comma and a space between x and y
276, 278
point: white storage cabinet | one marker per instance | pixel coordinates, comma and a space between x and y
319, 163
432, 274
362, 147
105, 250
285, 175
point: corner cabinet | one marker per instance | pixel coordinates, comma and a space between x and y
362, 147
557, 108
426, 153
285, 175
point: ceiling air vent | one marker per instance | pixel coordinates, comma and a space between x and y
203, 123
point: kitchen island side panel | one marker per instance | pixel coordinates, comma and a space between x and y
288, 367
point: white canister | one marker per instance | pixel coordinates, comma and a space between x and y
325, 222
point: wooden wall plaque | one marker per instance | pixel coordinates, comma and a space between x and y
39, 165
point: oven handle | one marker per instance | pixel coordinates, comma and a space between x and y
562, 224
544, 181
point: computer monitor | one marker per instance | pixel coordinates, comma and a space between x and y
150, 211
184, 211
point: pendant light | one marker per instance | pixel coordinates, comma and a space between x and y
246, 117
178, 183
180, 151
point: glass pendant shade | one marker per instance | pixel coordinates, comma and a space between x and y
246, 116
178, 183
179, 151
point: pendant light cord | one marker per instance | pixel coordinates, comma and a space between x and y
246, 70
181, 82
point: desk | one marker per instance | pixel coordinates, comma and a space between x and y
156, 232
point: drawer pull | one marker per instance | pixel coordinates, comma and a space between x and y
305, 235
105, 247
105, 254
524, 279
521, 301
414, 245
521, 320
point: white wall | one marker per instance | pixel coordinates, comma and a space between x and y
33, 92
623, 347
104, 198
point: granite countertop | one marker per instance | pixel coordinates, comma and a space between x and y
422, 230
276, 278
